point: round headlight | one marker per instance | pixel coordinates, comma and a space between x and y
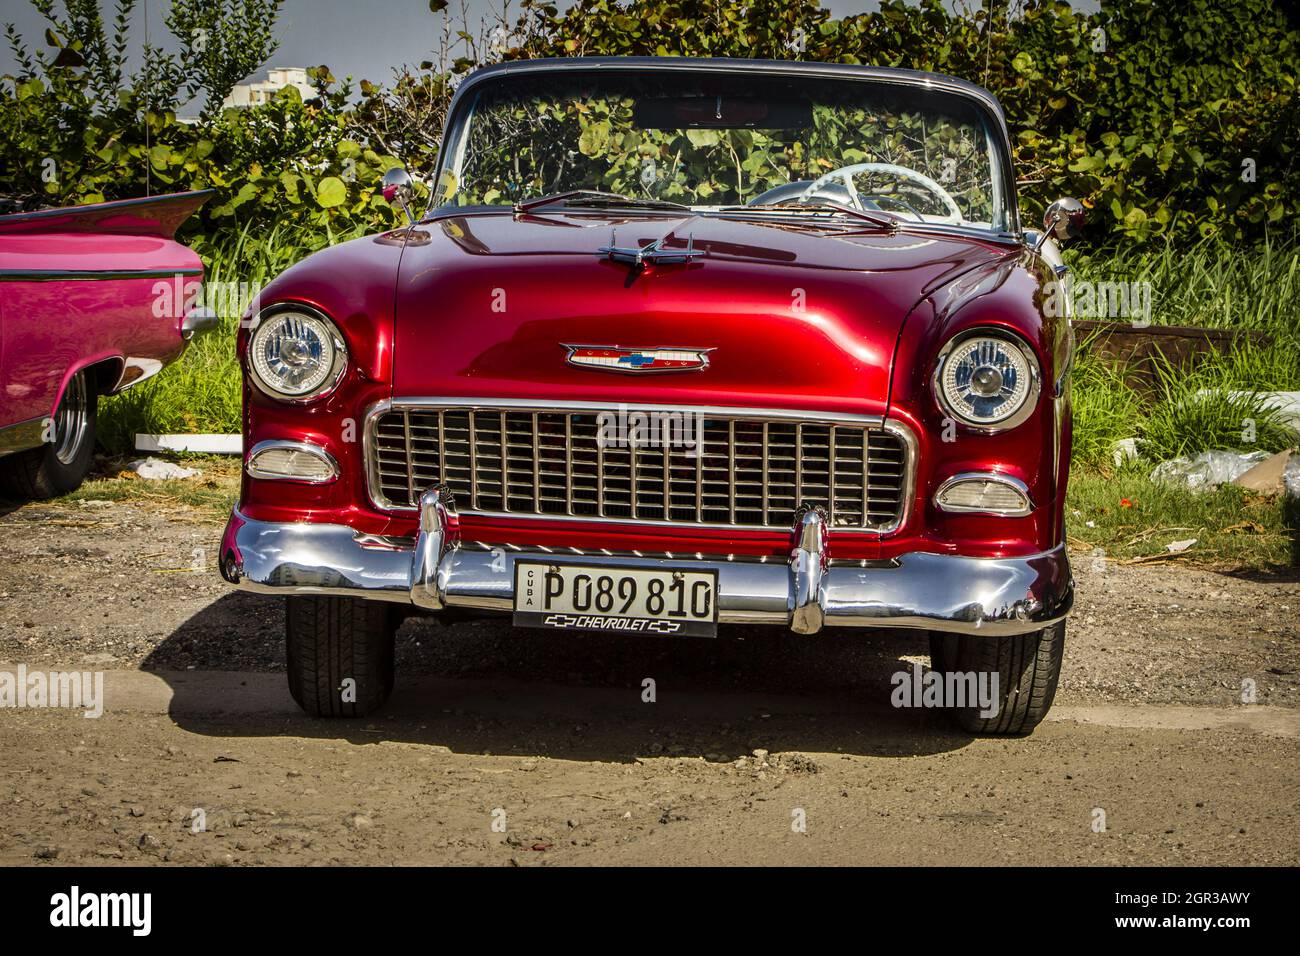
987, 380
296, 354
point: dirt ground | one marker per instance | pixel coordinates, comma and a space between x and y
506, 746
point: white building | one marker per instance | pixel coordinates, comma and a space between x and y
277, 78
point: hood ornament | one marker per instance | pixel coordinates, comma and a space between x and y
612, 358
638, 257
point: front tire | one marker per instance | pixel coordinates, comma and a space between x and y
59, 466
1028, 667
340, 654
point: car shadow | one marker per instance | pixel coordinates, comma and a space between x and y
481, 686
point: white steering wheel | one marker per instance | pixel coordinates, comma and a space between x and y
846, 173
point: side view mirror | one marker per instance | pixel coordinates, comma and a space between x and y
1063, 221
398, 190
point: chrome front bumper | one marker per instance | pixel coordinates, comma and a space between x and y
993, 596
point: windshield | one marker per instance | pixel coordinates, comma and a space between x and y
715, 140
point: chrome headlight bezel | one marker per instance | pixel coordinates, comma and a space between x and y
329, 333
1034, 384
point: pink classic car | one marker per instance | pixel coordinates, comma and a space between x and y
80, 317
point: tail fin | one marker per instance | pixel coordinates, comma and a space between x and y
146, 216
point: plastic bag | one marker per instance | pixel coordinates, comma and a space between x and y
1291, 477
1207, 470
156, 468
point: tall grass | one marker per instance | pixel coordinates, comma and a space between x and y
1209, 406
1209, 284
1106, 410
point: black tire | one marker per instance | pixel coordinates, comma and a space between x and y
59, 466
1028, 668
333, 639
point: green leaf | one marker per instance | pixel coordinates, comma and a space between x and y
594, 138
331, 192
704, 137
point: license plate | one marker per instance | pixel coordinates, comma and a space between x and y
637, 600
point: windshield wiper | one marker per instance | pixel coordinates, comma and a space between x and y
595, 199
822, 204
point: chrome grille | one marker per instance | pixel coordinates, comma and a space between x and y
749, 472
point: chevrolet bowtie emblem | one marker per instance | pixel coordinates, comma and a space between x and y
611, 358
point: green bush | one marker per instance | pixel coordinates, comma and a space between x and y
1155, 114
1206, 284
74, 129
1145, 110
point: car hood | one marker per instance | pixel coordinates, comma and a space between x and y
794, 315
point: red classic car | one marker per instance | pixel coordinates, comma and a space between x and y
678, 343
80, 317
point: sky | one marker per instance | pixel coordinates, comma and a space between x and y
366, 40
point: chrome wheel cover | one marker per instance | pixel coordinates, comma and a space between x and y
72, 420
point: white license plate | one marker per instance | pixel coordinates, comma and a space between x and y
636, 600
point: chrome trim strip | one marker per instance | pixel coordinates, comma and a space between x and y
718, 411
946, 592
59, 275
892, 425
990, 476
307, 448
407, 542
112, 204
22, 436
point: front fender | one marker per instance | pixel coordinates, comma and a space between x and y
1012, 295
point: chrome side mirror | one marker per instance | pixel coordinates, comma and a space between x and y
1063, 221
398, 190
